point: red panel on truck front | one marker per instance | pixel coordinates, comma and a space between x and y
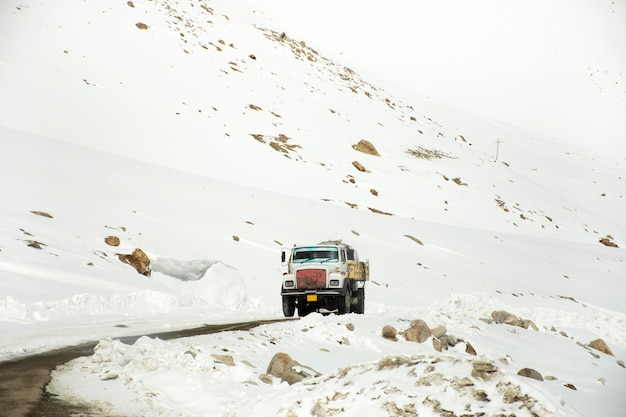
310, 279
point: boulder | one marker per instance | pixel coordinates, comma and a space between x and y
484, 369
390, 332
418, 332
438, 331
138, 260
530, 373
284, 367
600, 345
112, 240
366, 147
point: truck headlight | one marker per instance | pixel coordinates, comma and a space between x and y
289, 284
334, 282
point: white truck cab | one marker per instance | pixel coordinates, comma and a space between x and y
325, 277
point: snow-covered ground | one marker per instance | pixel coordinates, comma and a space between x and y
212, 134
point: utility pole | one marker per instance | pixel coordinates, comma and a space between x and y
497, 149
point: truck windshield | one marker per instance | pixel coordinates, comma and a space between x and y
301, 255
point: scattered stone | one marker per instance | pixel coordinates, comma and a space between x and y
571, 386
42, 214
138, 260
366, 147
550, 378
437, 344
284, 367
278, 364
350, 327
469, 349
35, 244
483, 369
141, 25
225, 359
621, 363
109, 376
414, 239
600, 345
503, 361
438, 331
530, 373
359, 166
112, 240
418, 332
236, 238
601, 380
390, 332
268, 379
606, 241
345, 341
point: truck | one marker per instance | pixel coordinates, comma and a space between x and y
327, 277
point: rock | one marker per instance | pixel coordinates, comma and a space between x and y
365, 147
138, 260
418, 332
438, 345
606, 241
288, 370
571, 386
483, 369
350, 327
550, 378
42, 214
621, 363
530, 373
438, 331
225, 359
268, 379
112, 240
359, 166
469, 349
600, 345
390, 332
278, 364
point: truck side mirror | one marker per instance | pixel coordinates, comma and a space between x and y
283, 256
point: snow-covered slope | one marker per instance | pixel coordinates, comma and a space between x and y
205, 135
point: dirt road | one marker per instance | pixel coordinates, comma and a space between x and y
23, 382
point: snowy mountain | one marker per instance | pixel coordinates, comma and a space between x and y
210, 135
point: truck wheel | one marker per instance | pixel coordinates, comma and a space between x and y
359, 308
289, 306
345, 301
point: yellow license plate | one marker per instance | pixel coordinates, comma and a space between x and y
311, 297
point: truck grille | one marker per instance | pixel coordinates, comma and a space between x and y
310, 279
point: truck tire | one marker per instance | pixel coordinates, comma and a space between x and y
345, 301
289, 306
359, 308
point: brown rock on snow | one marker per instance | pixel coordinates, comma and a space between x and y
112, 240
366, 147
390, 332
530, 373
418, 332
284, 367
600, 345
138, 260
42, 214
